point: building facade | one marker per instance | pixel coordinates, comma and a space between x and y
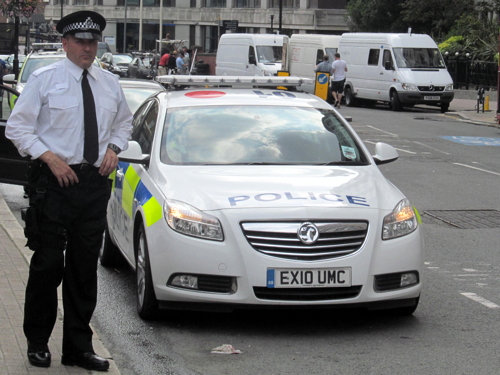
138, 24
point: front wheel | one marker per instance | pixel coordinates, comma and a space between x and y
147, 304
395, 103
445, 107
350, 100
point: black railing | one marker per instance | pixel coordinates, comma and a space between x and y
473, 74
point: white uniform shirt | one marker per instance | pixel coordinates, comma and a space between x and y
339, 70
49, 113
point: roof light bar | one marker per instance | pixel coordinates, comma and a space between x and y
233, 81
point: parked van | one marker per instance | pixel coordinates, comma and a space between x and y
249, 55
401, 69
305, 51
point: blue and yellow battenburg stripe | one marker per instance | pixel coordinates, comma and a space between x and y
133, 193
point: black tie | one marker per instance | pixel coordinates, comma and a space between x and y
91, 143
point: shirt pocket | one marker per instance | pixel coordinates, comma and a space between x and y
64, 111
107, 111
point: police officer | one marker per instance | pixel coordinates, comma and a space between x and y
73, 120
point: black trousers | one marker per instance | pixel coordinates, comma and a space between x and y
72, 224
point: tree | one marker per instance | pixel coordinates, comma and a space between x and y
435, 17
376, 16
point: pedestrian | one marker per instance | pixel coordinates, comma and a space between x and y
162, 70
73, 120
324, 66
339, 69
185, 60
171, 65
3, 70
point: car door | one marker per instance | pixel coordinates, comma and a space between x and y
126, 180
13, 167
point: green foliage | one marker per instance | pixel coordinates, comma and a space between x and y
375, 16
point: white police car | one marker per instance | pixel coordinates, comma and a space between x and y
232, 197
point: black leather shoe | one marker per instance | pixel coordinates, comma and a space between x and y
88, 360
39, 355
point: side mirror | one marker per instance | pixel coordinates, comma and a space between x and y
133, 154
10, 79
384, 153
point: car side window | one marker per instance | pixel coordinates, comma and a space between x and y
144, 126
373, 57
387, 59
319, 56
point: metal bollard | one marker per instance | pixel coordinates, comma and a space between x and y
486, 106
480, 98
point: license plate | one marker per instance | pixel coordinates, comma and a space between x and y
308, 278
432, 97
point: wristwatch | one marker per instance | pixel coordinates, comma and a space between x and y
115, 148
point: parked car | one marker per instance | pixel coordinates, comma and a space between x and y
255, 197
10, 63
139, 67
116, 63
137, 91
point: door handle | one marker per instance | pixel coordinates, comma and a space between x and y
119, 174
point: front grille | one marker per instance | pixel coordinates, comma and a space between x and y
428, 88
306, 294
280, 239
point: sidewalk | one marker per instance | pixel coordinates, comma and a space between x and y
464, 108
14, 258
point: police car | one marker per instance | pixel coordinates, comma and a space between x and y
235, 194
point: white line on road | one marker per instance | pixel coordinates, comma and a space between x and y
481, 300
432, 148
383, 131
479, 169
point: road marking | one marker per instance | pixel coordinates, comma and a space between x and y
383, 131
409, 152
481, 300
432, 148
479, 169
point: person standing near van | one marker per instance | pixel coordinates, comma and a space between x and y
339, 69
324, 66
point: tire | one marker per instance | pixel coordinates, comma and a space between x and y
395, 103
445, 107
147, 304
350, 100
137, 74
109, 255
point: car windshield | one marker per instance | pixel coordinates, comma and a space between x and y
257, 135
122, 59
135, 96
269, 54
418, 58
35, 63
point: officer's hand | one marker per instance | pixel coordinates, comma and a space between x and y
109, 163
60, 169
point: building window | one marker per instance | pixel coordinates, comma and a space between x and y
214, 3
247, 4
98, 2
58, 2
193, 4
210, 38
286, 3
146, 3
328, 4
80, 2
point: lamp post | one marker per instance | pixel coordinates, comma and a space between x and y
281, 14
272, 19
125, 29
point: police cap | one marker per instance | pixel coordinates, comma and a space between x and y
84, 24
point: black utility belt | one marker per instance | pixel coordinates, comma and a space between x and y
84, 167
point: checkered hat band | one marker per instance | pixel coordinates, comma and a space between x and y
82, 26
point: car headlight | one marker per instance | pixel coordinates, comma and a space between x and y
266, 73
190, 221
449, 87
400, 222
409, 86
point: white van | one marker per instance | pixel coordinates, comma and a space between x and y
305, 51
249, 55
400, 69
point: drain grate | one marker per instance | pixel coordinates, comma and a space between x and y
467, 219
